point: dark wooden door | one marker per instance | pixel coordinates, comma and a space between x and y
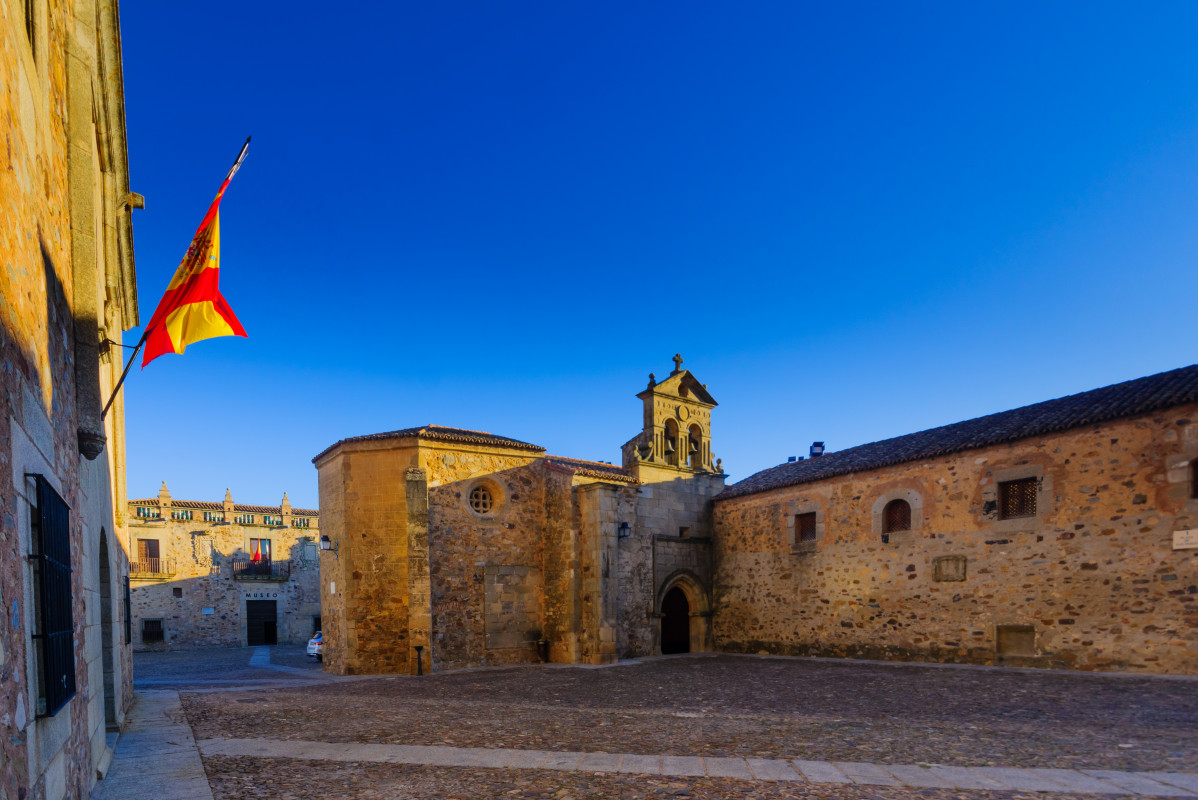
675, 622
261, 620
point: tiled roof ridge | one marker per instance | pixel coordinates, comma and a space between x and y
437, 433
205, 505
593, 469
1117, 401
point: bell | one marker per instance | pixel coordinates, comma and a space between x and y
669, 447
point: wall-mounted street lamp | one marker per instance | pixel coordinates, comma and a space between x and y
327, 544
623, 531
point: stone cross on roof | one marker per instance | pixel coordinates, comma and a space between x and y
677, 364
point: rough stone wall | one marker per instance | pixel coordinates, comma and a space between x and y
466, 546
337, 657
1094, 573
201, 555
372, 561
560, 567
61, 292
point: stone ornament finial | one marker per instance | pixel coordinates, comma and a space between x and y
652, 380
677, 363
719, 465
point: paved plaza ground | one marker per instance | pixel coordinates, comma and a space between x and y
269, 724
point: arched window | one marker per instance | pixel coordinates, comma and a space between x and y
671, 443
896, 517
694, 447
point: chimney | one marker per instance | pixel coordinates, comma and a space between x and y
790, 459
817, 449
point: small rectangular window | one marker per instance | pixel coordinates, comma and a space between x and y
1017, 498
177, 591
805, 527
54, 641
151, 631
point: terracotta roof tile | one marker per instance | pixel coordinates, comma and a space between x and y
1128, 399
438, 433
204, 505
593, 469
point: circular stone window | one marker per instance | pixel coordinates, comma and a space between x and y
481, 500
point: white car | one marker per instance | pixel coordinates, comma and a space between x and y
316, 646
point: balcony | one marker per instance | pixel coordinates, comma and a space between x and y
261, 570
158, 569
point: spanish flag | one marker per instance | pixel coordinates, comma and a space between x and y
192, 308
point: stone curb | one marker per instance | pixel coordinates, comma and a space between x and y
921, 776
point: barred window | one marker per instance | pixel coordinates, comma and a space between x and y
896, 517
152, 631
805, 527
54, 641
1017, 498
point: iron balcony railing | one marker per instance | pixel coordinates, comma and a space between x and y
263, 569
152, 567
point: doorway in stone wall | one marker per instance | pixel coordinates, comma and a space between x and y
675, 622
261, 622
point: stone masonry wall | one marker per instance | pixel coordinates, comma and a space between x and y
58, 192
201, 556
467, 548
1093, 575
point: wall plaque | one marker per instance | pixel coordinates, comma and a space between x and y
1185, 540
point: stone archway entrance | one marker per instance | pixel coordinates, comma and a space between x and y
675, 622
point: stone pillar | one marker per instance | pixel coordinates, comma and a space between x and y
164, 501
601, 574
229, 506
285, 510
420, 608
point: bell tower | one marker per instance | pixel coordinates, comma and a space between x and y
677, 425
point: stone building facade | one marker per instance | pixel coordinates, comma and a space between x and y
1057, 535
1063, 534
66, 289
208, 574
480, 549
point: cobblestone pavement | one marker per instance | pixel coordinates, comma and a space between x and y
728, 706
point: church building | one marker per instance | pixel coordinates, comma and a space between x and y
479, 549
1062, 534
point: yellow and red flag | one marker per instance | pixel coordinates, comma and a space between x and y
193, 308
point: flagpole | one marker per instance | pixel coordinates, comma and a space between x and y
232, 171
124, 374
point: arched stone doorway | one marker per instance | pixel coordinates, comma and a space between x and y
684, 609
110, 719
675, 622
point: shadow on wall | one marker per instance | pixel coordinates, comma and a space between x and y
241, 601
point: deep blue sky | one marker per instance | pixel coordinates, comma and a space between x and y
853, 220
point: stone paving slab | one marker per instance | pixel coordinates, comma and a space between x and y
1138, 783
821, 772
868, 774
158, 758
1078, 781
922, 777
1024, 779
601, 762
769, 769
687, 766
527, 759
727, 768
968, 778
1187, 782
562, 761
644, 765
